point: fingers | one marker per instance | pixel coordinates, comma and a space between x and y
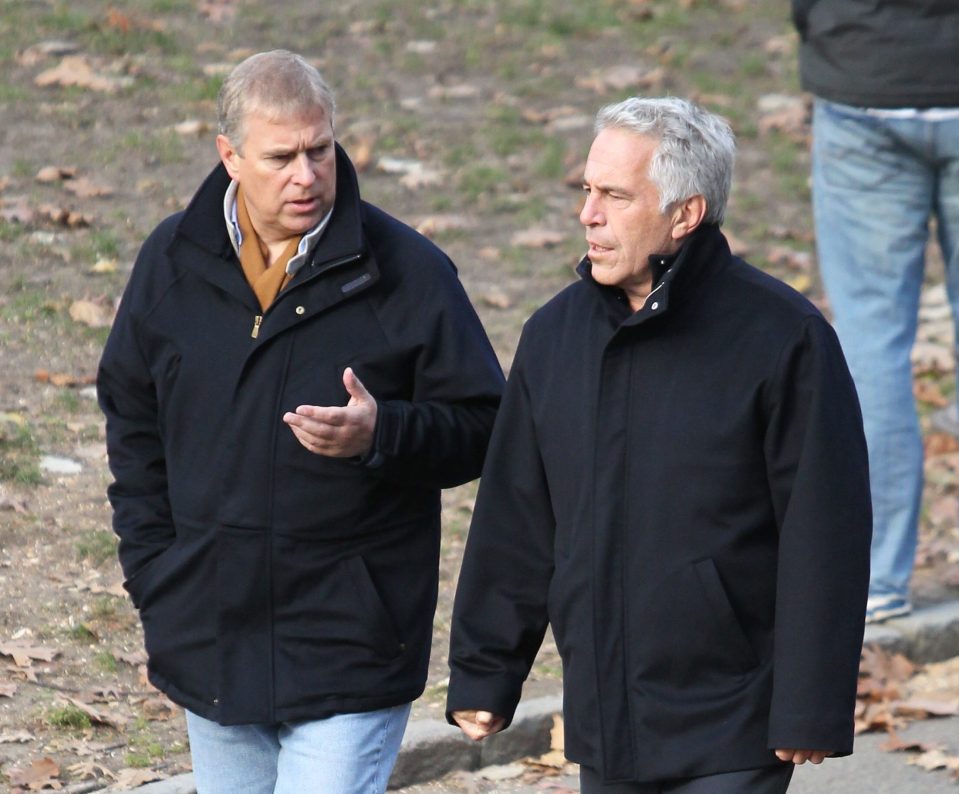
354, 387
478, 724
801, 756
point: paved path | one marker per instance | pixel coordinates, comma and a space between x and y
868, 771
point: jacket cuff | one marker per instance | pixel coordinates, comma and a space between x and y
481, 693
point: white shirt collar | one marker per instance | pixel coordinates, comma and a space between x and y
307, 243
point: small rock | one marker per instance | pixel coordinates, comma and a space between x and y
57, 465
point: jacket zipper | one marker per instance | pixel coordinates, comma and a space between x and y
258, 319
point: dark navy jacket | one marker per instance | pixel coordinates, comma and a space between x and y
275, 584
682, 493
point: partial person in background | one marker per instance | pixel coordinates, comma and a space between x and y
677, 483
292, 377
885, 77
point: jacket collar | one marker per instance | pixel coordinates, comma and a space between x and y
676, 278
203, 225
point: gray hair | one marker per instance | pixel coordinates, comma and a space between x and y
277, 84
695, 154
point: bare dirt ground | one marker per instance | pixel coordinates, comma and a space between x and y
468, 119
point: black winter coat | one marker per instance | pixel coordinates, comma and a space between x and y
275, 584
682, 493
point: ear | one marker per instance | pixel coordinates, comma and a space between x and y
688, 215
228, 155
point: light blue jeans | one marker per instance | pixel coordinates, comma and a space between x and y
343, 754
876, 184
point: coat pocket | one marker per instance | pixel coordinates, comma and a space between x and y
330, 614
686, 637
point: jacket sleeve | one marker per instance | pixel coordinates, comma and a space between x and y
819, 484
500, 610
127, 397
800, 14
438, 438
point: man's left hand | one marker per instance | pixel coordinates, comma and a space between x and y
801, 756
337, 432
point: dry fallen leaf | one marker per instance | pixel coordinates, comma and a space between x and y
23, 653
84, 188
55, 173
127, 779
497, 299
219, 12
104, 266
96, 315
76, 70
41, 773
35, 53
795, 260
15, 209
935, 759
939, 444
89, 769
921, 707
191, 127
159, 709
16, 737
538, 238
438, 224
64, 217
97, 716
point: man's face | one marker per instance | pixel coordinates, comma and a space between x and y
624, 226
287, 170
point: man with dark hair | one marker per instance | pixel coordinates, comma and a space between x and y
677, 483
292, 377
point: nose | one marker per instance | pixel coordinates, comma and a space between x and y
591, 213
304, 172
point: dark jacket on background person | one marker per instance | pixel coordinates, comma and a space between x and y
682, 493
880, 53
275, 584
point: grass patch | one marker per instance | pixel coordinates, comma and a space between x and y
81, 633
786, 162
97, 546
19, 453
69, 718
479, 180
551, 163
97, 244
105, 661
145, 750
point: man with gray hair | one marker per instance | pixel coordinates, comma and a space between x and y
677, 483
292, 377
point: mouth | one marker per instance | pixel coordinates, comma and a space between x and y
597, 249
305, 204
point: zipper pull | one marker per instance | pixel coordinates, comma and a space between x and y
256, 326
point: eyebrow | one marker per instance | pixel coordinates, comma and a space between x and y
282, 151
607, 188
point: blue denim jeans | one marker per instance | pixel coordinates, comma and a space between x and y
877, 182
343, 754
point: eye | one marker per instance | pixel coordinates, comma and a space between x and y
318, 153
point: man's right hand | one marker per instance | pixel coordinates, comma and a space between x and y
478, 724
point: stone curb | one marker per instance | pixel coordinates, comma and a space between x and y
432, 748
930, 634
